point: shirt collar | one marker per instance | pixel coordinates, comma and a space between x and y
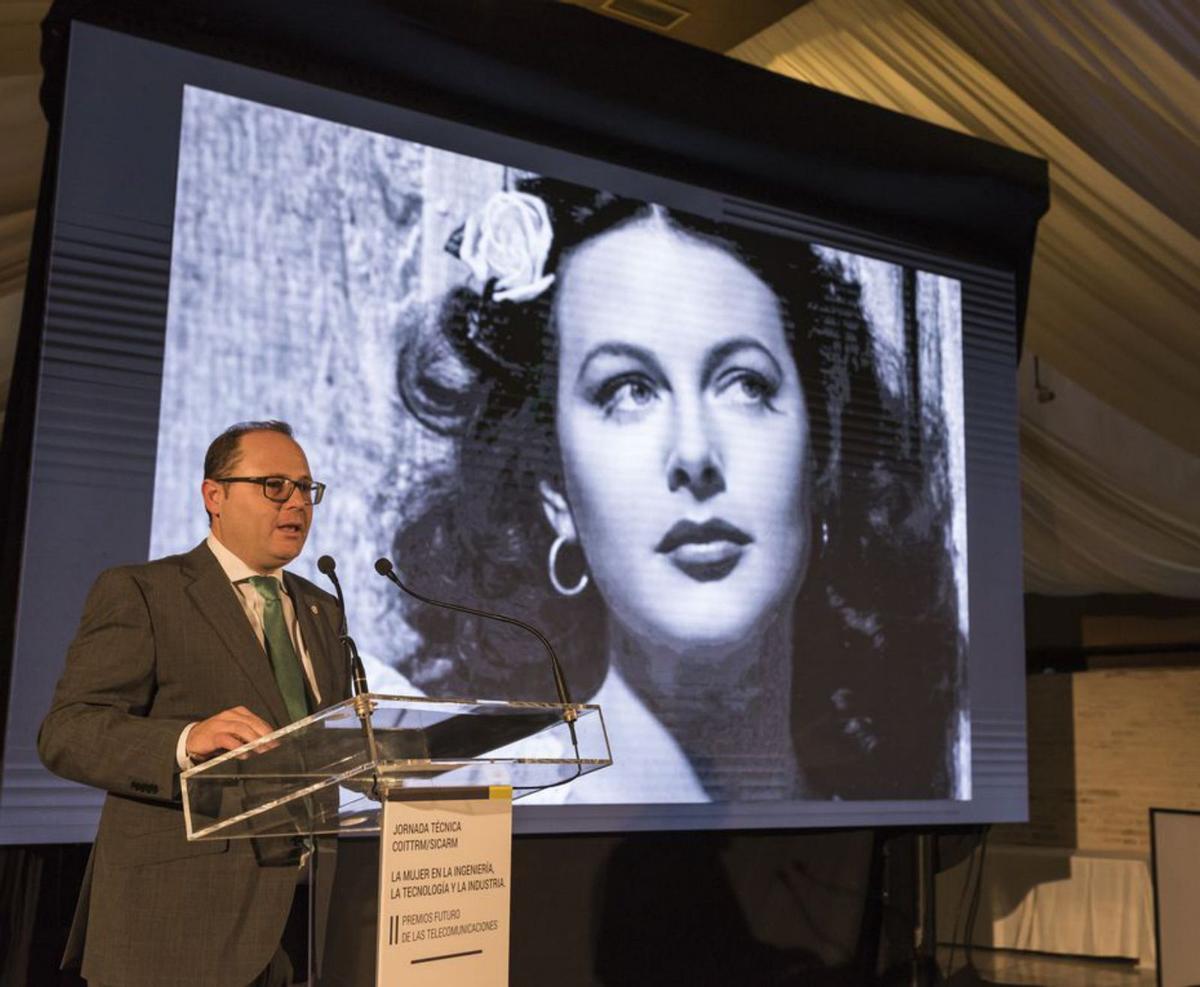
236, 571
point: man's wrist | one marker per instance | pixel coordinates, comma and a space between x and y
184, 757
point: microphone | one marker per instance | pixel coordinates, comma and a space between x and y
385, 568
358, 676
328, 568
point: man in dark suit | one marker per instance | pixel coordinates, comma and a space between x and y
174, 662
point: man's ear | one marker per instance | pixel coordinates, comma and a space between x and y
213, 494
557, 511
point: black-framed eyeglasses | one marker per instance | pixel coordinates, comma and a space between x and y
280, 488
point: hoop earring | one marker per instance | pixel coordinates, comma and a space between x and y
575, 590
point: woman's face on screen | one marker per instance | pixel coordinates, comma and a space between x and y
684, 437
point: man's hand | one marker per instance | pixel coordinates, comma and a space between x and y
225, 731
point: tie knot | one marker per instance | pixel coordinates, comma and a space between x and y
267, 586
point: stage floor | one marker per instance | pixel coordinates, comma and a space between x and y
1009, 967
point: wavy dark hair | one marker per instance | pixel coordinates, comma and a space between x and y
879, 660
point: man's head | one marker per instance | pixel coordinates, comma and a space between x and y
263, 533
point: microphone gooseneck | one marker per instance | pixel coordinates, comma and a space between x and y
385, 568
328, 568
358, 676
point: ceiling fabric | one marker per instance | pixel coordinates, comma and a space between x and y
1107, 505
23, 131
1109, 94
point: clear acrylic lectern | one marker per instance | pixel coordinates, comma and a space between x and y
330, 772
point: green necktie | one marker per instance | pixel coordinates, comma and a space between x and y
279, 648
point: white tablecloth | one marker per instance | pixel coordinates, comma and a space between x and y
1055, 900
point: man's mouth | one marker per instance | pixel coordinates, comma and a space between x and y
291, 528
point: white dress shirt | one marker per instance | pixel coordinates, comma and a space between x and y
251, 602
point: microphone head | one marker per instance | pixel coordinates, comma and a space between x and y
383, 566
326, 564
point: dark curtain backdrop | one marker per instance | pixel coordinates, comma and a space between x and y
664, 908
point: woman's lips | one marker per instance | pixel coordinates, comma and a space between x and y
707, 563
707, 551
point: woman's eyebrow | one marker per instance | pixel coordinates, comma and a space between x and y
724, 350
629, 350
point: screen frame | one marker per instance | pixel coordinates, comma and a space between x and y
84, 179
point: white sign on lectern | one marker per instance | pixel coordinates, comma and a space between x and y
444, 884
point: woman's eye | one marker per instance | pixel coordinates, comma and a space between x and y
623, 394
746, 387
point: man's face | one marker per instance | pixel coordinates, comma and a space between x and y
262, 533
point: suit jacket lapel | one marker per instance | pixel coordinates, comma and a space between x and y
214, 597
323, 646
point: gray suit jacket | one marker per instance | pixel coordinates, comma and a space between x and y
159, 646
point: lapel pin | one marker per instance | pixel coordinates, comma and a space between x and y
313, 608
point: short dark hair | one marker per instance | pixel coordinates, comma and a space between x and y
225, 450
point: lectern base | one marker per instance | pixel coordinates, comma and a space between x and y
353, 928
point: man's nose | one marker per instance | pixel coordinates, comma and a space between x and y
297, 499
695, 460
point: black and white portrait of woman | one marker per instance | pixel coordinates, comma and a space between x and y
720, 468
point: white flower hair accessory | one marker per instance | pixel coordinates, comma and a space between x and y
505, 244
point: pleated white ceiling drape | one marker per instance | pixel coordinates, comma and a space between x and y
1109, 93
